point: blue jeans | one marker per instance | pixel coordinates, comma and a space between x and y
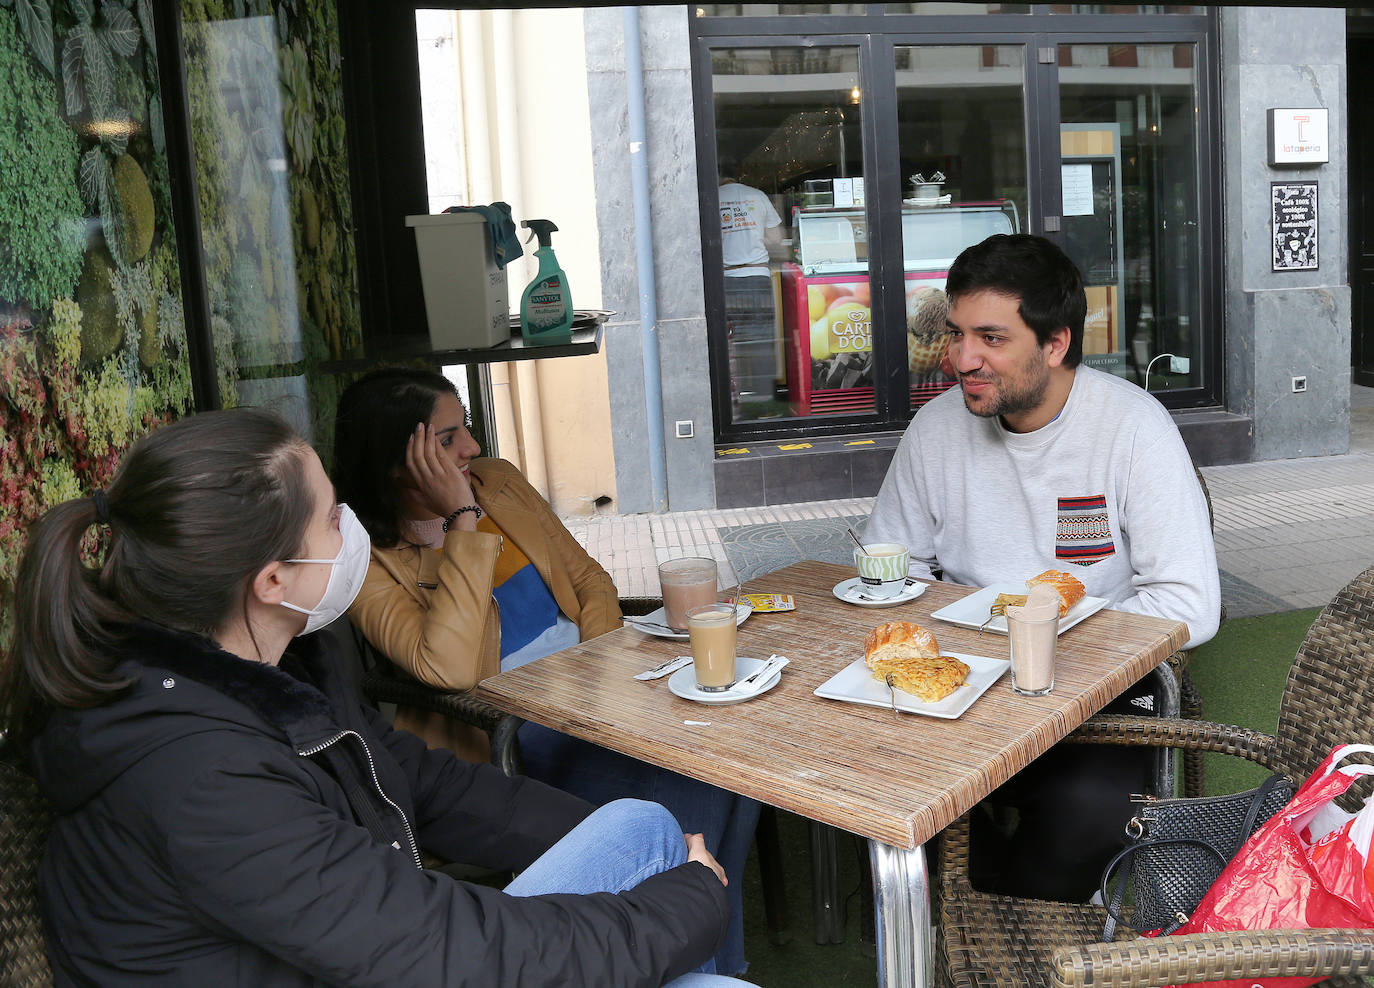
614, 849
599, 775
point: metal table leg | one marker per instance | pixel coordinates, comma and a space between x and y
827, 904
901, 899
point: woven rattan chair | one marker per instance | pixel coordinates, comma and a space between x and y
24, 819
383, 682
989, 940
1190, 699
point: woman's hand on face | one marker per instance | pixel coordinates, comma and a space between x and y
696, 851
437, 483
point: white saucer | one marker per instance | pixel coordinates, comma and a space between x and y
683, 683
658, 616
847, 591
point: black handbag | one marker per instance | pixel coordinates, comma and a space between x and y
1178, 849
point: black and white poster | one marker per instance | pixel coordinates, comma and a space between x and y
1294, 206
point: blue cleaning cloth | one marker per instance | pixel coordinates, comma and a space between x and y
505, 243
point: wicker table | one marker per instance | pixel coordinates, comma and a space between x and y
896, 780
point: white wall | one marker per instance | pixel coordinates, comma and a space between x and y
506, 118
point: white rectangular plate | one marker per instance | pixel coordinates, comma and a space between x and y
855, 684
972, 611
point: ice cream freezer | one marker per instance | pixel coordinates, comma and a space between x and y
826, 300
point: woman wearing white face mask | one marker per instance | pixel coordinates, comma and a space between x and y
228, 815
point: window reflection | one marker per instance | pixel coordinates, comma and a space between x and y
276, 213
957, 8
1153, 9
1130, 198
777, 9
793, 234
962, 137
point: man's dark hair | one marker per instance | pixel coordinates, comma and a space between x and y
1034, 271
727, 164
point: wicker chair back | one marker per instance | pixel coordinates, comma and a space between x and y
24, 821
1326, 701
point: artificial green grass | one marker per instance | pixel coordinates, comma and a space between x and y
801, 961
1241, 674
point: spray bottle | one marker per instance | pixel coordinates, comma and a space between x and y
546, 310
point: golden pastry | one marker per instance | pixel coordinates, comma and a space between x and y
911, 656
1068, 586
927, 679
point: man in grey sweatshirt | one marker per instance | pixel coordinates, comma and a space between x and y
1058, 466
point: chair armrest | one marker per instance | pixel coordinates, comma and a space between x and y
1213, 957
1163, 732
639, 606
465, 707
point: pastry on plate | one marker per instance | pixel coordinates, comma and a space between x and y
1067, 585
910, 655
1005, 600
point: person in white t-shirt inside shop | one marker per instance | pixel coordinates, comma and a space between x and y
1038, 463
750, 233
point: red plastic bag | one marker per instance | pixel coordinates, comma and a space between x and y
1303, 869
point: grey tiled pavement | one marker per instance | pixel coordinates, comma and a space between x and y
1289, 533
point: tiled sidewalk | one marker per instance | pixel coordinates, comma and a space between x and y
1289, 533
743, 541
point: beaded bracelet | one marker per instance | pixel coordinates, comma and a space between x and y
454, 517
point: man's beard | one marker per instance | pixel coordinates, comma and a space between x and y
1012, 398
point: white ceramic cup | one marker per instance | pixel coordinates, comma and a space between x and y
882, 569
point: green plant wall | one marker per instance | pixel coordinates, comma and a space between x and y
92, 341
93, 348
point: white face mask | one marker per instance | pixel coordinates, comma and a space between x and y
346, 577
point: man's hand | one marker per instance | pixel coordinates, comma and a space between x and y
434, 480
696, 851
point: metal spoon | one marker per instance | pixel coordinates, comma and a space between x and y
892, 689
640, 622
862, 547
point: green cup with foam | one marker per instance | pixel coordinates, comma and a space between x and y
882, 569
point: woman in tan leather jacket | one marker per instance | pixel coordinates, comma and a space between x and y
472, 573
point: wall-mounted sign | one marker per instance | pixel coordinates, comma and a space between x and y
1294, 207
1298, 137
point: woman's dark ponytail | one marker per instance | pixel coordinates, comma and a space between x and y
60, 613
194, 511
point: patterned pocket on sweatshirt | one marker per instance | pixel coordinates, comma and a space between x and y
1083, 535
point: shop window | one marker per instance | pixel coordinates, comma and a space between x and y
778, 9
793, 236
961, 133
1102, 144
957, 8
1151, 9
1130, 188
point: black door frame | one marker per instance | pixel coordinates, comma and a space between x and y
1360, 192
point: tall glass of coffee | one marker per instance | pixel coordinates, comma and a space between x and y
712, 628
687, 583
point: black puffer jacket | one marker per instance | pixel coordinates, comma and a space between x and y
232, 823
